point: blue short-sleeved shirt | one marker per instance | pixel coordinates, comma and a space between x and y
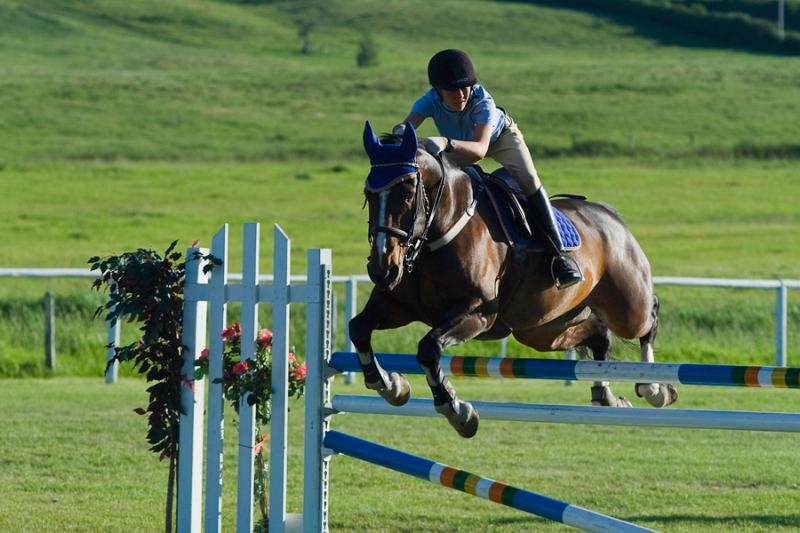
460, 125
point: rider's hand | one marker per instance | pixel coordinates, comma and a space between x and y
435, 145
399, 129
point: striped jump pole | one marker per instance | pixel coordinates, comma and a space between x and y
495, 491
568, 370
575, 414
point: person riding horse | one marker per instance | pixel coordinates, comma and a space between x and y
474, 127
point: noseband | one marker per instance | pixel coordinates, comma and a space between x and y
417, 235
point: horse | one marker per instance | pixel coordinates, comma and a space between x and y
438, 255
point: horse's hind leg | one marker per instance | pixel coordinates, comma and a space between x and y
583, 332
656, 394
600, 344
394, 387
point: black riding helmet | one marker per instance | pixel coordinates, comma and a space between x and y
450, 70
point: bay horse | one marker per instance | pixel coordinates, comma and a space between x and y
438, 256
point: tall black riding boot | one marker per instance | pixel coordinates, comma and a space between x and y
565, 269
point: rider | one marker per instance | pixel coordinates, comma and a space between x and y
474, 127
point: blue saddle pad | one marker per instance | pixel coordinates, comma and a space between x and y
513, 227
569, 236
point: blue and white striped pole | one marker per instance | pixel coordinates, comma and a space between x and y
486, 488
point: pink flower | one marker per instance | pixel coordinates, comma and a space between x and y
264, 337
231, 333
292, 358
203, 355
300, 373
239, 368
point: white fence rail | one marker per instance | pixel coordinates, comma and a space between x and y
780, 286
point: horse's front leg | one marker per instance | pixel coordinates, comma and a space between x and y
379, 313
461, 415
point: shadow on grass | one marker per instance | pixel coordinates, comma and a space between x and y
790, 521
672, 33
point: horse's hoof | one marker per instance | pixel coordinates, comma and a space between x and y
399, 392
657, 394
465, 421
602, 396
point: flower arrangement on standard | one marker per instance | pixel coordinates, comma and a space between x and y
252, 379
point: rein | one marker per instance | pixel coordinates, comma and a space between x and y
415, 243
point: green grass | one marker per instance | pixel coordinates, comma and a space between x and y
748, 229
213, 81
130, 125
74, 459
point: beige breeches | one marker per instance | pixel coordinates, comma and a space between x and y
511, 151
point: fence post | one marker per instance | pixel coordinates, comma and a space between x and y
190, 450
350, 306
781, 324
49, 331
318, 351
112, 373
215, 416
278, 439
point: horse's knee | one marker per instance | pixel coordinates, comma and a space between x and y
429, 351
360, 332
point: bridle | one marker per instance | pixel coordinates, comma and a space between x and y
417, 235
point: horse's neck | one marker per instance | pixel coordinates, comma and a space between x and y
456, 196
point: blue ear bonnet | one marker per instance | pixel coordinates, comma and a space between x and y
390, 162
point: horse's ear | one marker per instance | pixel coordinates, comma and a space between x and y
370, 140
409, 144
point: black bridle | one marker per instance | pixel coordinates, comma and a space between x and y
417, 235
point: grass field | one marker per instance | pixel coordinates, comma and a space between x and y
83, 467
129, 125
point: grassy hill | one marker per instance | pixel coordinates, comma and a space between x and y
133, 124
213, 81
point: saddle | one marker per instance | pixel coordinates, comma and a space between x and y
508, 202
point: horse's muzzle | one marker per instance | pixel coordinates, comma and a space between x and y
384, 279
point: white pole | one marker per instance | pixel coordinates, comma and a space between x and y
215, 432
781, 325
280, 375
247, 414
190, 451
49, 331
318, 352
350, 306
577, 414
112, 373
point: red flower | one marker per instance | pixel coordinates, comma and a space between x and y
231, 333
300, 373
264, 337
239, 368
292, 358
203, 355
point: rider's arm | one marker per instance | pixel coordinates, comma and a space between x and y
414, 118
476, 149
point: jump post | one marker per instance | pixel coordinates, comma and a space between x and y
321, 443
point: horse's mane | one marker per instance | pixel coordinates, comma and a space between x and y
391, 138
